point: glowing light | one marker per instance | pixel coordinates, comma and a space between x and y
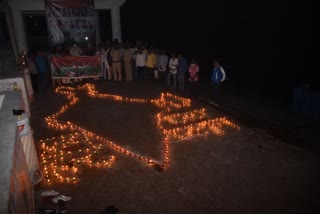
62, 170
176, 121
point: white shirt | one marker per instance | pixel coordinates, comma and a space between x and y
223, 74
162, 62
173, 65
75, 51
140, 60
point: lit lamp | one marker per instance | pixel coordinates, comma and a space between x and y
173, 125
23, 59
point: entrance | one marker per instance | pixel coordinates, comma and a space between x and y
36, 31
105, 25
4, 33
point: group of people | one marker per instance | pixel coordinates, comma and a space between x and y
142, 61
137, 62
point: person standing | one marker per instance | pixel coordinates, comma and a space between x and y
193, 78
127, 59
134, 50
156, 72
145, 51
33, 72
150, 63
218, 75
162, 63
182, 69
116, 62
75, 51
108, 61
122, 48
42, 65
140, 63
173, 69
100, 52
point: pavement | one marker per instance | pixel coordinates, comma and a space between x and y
269, 112
258, 169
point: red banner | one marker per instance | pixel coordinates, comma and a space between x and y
76, 66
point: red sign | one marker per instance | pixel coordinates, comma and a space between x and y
76, 66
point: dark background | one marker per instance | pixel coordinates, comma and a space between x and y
265, 45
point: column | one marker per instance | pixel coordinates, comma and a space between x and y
98, 36
116, 23
19, 29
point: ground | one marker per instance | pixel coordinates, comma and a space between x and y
243, 171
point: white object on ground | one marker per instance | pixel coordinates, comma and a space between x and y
61, 197
50, 193
213, 103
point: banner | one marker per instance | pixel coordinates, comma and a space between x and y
71, 21
75, 66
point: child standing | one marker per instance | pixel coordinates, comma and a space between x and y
193, 78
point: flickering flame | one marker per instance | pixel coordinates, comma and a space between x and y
180, 126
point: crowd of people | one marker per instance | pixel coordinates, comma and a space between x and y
127, 62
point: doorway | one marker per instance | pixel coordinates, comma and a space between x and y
105, 25
36, 31
4, 33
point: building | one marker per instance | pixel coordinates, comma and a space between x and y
21, 8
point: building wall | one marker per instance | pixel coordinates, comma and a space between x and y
38, 5
19, 6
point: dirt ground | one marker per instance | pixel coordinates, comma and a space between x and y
246, 171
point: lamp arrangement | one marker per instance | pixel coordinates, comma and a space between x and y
22, 60
63, 156
176, 121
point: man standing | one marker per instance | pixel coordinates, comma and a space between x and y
182, 68
218, 75
116, 62
75, 50
150, 63
108, 61
162, 63
173, 69
127, 58
140, 63
41, 62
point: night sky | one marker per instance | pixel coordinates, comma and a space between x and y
264, 44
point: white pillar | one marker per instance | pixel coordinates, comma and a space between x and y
19, 29
116, 23
98, 36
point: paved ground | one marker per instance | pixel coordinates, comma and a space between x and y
246, 171
270, 112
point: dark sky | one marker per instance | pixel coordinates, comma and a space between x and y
263, 44
260, 41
